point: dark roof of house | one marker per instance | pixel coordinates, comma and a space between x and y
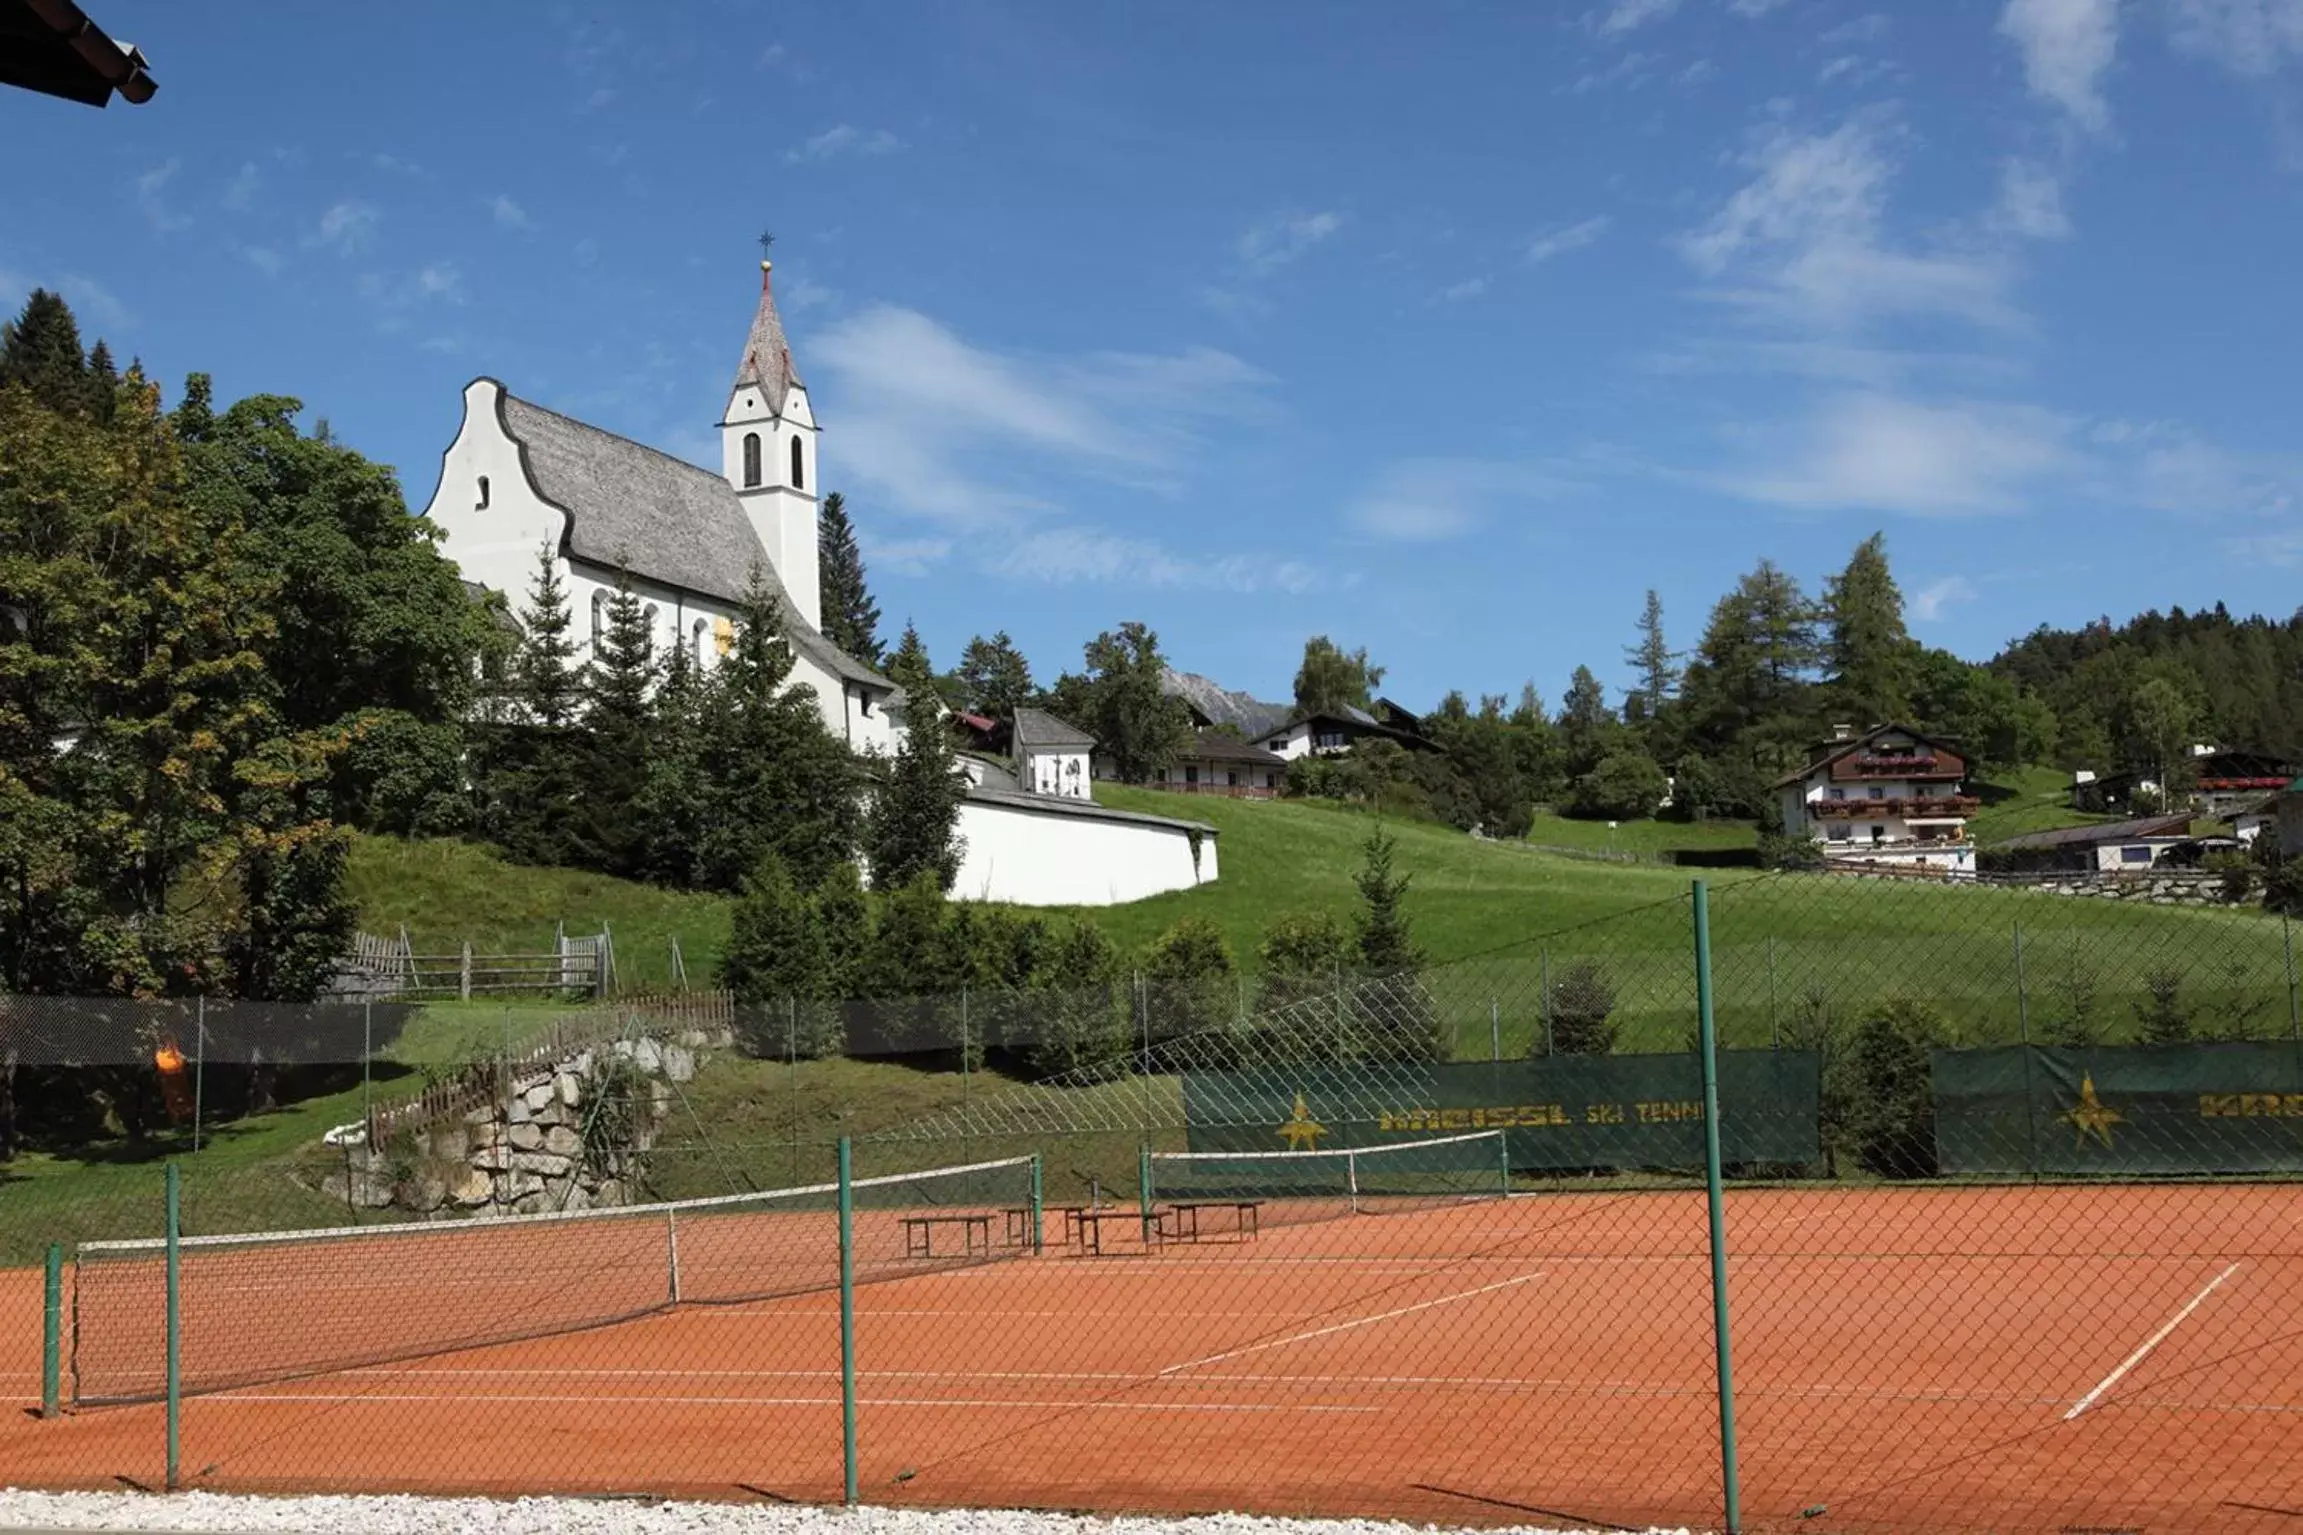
498, 610
997, 774
1084, 809
662, 518
1359, 719
1832, 751
2147, 828
1215, 746
51, 46
1037, 727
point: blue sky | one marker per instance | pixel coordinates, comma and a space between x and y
1445, 329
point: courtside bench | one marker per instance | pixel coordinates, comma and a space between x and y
975, 1233
1179, 1221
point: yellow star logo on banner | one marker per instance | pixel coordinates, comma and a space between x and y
2091, 1116
1302, 1132
723, 635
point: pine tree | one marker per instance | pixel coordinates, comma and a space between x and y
1867, 649
617, 687
994, 678
671, 807
1652, 660
195, 415
909, 668
550, 681
103, 382
910, 830
1382, 933
40, 349
851, 618
1394, 1015
1586, 725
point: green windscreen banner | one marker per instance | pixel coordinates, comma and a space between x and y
1558, 1113
2115, 1110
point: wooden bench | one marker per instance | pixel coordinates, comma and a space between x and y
1084, 1225
920, 1233
1179, 1222
1022, 1230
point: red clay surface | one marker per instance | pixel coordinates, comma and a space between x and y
2093, 1358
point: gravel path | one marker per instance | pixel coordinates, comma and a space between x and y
209, 1512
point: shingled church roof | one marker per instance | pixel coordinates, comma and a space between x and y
767, 360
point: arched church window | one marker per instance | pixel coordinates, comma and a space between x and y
751, 459
799, 476
703, 638
650, 613
483, 506
599, 616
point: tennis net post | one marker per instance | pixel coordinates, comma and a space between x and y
848, 1317
1144, 1186
1707, 1035
52, 1333
1036, 1203
175, 1323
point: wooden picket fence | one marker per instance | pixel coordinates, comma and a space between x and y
490, 1080
389, 969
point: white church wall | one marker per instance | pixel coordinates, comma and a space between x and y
494, 543
1033, 857
1062, 772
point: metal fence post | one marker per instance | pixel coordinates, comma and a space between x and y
1494, 1030
792, 1053
1144, 1018
1774, 1014
52, 1334
848, 1317
2294, 1004
175, 1325
199, 1066
367, 1054
2022, 997
1037, 1198
1544, 980
1715, 1198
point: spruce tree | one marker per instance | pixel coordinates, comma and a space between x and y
671, 808
103, 382
40, 349
851, 618
994, 678
1382, 933
617, 687
1867, 649
910, 830
1587, 726
550, 680
908, 666
1652, 659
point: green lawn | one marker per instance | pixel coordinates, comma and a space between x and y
446, 893
1646, 839
2025, 800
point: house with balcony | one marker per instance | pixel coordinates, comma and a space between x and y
1889, 797
1217, 762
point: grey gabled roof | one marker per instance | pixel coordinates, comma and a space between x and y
767, 359
662, 518
1037, 727
1215, 746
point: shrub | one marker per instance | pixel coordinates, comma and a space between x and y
2163, 1019
1189, 970
1815, 1025
1624, 786
400, 775
1079, 1021
1301, 958
1892, 1112
778, 963
1777, 851
1581, 1004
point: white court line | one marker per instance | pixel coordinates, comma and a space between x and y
1365, 1321
381, 1399
2150, 1343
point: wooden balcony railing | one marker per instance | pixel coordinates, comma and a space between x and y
1929, 805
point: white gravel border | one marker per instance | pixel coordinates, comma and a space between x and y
215, 1514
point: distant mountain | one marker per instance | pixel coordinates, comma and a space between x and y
1216, 706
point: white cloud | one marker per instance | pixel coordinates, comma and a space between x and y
1430, 500
347, 226
1928, 605
437, 283
393, 165
1805, 241
508, 213
1753, 9
1629, 15
240, 191
903, 556
2066, 47
2255, 38
844, 139
264, 259
1280, 239
442, 281
1560, 241
971, 438
2030, 202
1457, 292
1874, 451
1071, 556
149, 186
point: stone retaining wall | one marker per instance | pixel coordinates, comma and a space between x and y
552, 1144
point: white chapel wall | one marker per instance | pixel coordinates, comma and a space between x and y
1042, 858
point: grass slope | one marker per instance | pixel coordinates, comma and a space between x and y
1647, 839
2022, 801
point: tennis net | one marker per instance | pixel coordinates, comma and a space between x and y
270, 1306
1338, 1180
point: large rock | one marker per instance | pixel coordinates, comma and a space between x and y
528, 1137
679, 1064
472, 1188
493, 1159
537, 1203
519, 1186
569, 1087
538, 1098
481, 1116
647, 1055
517, 1111
562, 1141
364, 1190
449, 1142
574, 1197
542, 1163
423, 1194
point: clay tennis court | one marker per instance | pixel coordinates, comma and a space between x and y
2101, 1357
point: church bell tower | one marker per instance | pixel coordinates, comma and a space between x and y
768, 452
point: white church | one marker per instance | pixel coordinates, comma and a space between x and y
520, 478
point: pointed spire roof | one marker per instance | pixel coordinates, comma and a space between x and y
767, 355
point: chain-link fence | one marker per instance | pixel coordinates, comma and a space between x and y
1979, 1213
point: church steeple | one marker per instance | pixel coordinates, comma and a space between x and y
768, 453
